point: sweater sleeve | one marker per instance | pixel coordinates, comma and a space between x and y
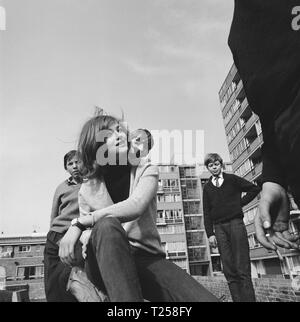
206, 214
134, 206
272, 169
251, 190
55, 204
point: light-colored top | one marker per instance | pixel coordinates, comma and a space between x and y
137, 213
220, 179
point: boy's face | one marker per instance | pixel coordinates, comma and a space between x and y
214, 168
72, 167
116, 141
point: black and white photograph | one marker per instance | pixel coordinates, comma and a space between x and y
150, 154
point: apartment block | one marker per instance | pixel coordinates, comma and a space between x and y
245, 139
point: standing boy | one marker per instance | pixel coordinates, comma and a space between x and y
64, 209
222, 205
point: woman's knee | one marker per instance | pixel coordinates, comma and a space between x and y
107, 225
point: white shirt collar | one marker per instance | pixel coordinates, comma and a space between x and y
220, 176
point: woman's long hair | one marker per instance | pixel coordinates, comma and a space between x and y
89, 142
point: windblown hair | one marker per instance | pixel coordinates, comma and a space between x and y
212, 157
89, 143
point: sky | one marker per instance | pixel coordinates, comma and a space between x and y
161, 62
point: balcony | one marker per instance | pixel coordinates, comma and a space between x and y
233, 96
253, 146
250, 122
254, 173
171, 189
243, 131
176, 255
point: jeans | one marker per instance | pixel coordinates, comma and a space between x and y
129, 274
234, 250
57, 273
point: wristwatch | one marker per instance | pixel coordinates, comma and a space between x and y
77, 223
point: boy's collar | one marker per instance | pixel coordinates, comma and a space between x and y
71, 181
220, 176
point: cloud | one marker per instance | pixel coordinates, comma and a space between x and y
147, 70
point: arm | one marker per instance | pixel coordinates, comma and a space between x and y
133, 207
273, 217
206, 214
55, 205
247, 186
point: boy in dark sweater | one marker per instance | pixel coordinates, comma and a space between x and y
64, 209
222, 206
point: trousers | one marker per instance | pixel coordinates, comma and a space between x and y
129, 274
234, 251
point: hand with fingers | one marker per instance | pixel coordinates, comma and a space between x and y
272, 219
212, 241
67, 245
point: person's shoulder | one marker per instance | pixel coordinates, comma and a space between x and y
62, 187
207, 184
146, 168
227, 175
91, 183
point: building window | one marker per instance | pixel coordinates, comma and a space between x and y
24, 248
171, 229
253, 242
193, 222
216, 264
30, 272
195, 238
191, 207
249, 215
197, 254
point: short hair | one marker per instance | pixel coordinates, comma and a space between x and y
71, 154
146, 135
212, 157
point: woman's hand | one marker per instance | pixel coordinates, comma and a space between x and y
67, 244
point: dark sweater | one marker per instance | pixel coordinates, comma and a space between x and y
265, 48
225, 203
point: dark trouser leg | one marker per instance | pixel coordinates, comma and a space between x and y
240, 250
223, 235
56, 273
163, 281
110, 263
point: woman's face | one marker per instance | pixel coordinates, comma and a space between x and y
117, 143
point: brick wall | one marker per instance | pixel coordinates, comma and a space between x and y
266, 289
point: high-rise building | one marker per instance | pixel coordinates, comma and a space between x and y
170, 220
197, 242
245, 140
